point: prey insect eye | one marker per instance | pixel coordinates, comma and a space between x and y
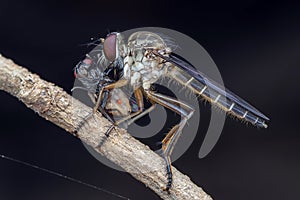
87, 61
81, 68
75, 73
109, 47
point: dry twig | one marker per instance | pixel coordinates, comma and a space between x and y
55, 105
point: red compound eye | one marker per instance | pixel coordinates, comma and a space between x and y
75, 73
87, 61
119, 101
109, 47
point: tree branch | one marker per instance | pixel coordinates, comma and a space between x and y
55, 105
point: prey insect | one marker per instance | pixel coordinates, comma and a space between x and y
103, 90
144, 59
94, 80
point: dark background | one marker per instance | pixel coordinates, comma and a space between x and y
256, 46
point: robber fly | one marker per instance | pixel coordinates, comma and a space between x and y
145, 58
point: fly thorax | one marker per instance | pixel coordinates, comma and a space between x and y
127, 67
135, 80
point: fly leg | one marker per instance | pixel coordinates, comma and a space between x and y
139, 98
100, 106
111, 86
171, 138
145, 112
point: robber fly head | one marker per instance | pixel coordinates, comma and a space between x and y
114, 46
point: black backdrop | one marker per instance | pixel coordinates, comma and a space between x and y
254, 44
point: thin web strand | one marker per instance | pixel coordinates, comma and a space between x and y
62, 176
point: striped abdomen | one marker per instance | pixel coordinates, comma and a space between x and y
222, 98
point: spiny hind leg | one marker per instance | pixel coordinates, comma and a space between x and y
171, 138
145, 112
